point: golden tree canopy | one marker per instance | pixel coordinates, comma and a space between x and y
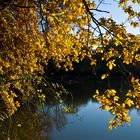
34, 31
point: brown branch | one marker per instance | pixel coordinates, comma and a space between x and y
7, 5
22, 6
98, 24
93, 19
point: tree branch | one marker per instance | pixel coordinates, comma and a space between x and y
5, 6
98, 24
100, 10
93, 19
22, 6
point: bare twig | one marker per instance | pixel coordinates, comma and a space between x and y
97, 23
100, 10
99, 4
93, 19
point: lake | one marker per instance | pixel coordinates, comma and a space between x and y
79, 117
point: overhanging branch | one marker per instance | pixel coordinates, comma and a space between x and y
97, 23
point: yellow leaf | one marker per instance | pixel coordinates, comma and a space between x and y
104, 76
110, 66
116, 98
110, 127
106, 107
64, 1
97, 91
129, 102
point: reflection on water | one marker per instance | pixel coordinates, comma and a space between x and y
79, 118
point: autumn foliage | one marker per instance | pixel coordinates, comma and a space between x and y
32, 32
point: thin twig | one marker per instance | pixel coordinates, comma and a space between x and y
99, 4
99, 10
98, 24
94, 20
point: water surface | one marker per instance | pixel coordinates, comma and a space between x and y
85, 120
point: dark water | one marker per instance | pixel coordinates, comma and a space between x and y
85, 120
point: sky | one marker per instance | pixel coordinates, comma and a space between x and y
118, 15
